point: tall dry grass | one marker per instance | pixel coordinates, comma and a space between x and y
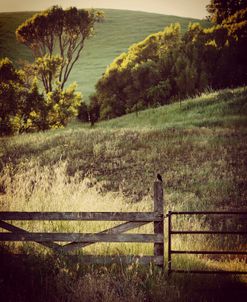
40, 188
203, 163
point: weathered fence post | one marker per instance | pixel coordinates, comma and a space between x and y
169, 242
159, 225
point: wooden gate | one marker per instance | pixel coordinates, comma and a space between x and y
75, 241
80, 240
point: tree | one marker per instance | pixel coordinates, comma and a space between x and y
59, 30
11, 95
83, 114
219, 10
94, 109
62, 104
24, 109
126, 85
168, 66
47, 69
8, 71
56, 38
160, 93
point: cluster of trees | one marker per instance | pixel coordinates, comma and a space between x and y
167, 66
24, 108
35, 97
220, 10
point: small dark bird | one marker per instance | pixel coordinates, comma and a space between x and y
159, 177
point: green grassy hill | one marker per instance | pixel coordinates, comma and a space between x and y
175, 139
200, 148
114, 36
224, 108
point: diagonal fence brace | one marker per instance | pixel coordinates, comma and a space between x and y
124, 227
14, 229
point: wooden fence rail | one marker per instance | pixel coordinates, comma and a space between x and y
82, 216
130, 220
171, 251
79, 237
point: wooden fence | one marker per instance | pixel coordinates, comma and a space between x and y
77, 241
171, 232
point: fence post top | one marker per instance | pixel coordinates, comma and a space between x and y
158, 181
158, 185
159, 178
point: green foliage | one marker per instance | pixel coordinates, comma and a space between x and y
161, 91
220, 10
62, 105
167, 66
47, 69
24, 109
83, 112
59, 30
8, 72
48, 32
133, 80
22, 106
11, 96
94, 109
33, 110
100, 50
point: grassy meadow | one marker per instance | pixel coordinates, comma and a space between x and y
199, 147
115, 35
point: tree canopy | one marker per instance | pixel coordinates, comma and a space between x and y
24, 108
169, 65
220, 10
56, 38
61, 32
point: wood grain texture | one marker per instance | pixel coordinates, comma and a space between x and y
115, 230
79, 237
159, 225
14, 229
96, 216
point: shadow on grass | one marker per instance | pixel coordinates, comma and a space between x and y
27, 278
51, 278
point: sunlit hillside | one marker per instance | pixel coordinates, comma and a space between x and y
199, 147
190, 143
119, 30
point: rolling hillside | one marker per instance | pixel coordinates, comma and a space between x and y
114, 36
187, 136
198, 145
223, 108
200, 148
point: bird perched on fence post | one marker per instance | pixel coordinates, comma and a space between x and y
159, 177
